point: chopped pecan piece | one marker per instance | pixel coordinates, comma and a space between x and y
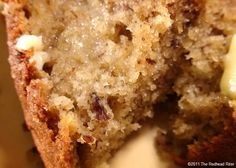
98, 108
150, 61
88, 139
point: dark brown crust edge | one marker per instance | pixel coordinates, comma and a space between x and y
221, 148
56, 152
217, 149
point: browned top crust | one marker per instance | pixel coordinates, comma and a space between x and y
56, 152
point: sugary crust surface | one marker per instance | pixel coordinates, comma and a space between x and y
56, 152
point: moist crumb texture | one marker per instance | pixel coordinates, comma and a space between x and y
110, 65
106, 65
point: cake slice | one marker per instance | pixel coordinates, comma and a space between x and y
91, 72
87, 73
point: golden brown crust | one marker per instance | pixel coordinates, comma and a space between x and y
57, 151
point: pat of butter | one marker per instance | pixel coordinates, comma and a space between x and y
26, 42
39, 58
228, 81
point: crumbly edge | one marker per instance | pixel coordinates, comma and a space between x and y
56, 153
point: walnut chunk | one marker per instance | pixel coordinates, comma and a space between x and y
88, 139
98, 108
150, 61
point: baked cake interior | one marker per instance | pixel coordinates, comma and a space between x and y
114, 64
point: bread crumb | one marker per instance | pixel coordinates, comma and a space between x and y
63, 103
69, 121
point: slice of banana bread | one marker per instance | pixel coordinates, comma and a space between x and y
89, 72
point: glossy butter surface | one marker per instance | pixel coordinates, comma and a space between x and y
228, 81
